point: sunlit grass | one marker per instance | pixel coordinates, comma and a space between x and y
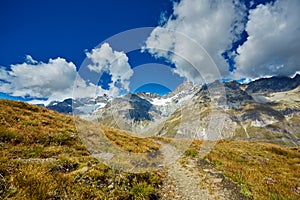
263, 170
129, 142
42, 157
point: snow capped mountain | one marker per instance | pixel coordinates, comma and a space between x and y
164, 105
137, 111
168, 103
259, 110
79, 106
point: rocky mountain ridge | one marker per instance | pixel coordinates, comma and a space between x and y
263, 110
184, 90
273, 84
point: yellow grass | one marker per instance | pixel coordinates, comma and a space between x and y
42, 157
128, 141
263, 170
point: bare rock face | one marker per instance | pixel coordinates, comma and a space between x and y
228, 95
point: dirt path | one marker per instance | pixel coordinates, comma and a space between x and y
195, 179
180, 183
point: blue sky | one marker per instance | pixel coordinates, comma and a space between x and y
50, 29
65, 28
43, 43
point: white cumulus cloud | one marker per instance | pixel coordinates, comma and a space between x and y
214, 25
58, 79
273, 45
105, 59
53, 80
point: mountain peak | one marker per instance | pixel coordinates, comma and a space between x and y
183, 86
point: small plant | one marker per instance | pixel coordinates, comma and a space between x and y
245, 191
191, 153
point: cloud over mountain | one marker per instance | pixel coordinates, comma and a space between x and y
214, 25
271, 48
114, 63
53, 80
202, 38
273, 45
58, 78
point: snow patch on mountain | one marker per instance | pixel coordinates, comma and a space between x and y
161, 102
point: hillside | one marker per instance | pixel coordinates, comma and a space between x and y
42, 157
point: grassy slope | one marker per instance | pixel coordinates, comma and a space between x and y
41, 157
263, 170
128, 141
